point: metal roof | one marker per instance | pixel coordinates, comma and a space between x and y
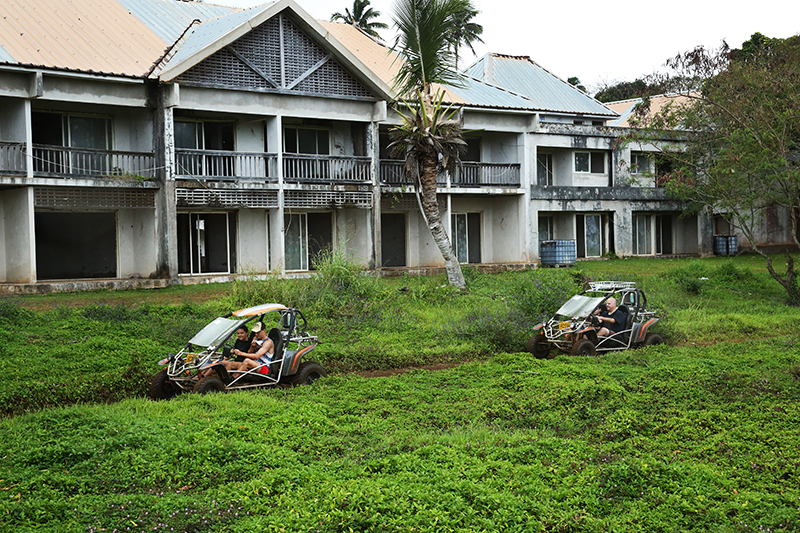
546, 91
84, 35
169, 18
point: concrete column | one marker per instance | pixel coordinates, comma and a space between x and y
705, 234
373, 150
17, 208
166, 98
276, 229
530, 217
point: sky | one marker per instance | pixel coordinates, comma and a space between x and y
600, 45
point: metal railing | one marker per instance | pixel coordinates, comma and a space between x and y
311, 168
468, 175
221, 165
487, 175
12, 157
63, 161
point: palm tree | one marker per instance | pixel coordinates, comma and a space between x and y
465, 32
429, 137
361, 17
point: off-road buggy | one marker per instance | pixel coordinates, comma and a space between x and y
573, 329
199, 367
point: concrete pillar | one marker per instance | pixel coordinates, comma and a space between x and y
19, 236
375, 258
276, 229
166, 97
705, 234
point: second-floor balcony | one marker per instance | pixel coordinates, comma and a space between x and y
226, 165
469, 174
67, 162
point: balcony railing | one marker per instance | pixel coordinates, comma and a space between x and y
12, 157
468, 175
225, 165
62, 161
314, 168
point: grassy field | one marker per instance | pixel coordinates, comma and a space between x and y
698, 435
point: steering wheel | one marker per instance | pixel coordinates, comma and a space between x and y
595, 320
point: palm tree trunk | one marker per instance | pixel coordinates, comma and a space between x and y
430, 210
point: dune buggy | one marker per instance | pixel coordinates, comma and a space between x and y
199, 367
573, 329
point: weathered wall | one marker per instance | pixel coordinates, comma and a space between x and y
252, 248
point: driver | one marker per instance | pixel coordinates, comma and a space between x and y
612, 319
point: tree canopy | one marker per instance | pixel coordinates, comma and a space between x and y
362, 17
739, 149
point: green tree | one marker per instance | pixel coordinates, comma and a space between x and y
362, 17
576, 82
626, 90
465, 32
430, 137
738, 146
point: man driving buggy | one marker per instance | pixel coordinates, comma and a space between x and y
611, 318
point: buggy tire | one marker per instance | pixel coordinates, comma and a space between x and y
653, 339
308, 373
161, 388
539, 347
209, 384
584, 347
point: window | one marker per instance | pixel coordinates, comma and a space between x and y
209, 137
594, 162
393, 239
305, 236
546, 228
590, 238
75, 245
640, 164
206, 243
544, 169
467, 237
90, 132
642, 235
309, 141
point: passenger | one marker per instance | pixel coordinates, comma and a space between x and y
612, 319
260, 352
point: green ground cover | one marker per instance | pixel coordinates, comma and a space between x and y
698, 435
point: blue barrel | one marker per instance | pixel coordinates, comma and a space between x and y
557, 253
726, 245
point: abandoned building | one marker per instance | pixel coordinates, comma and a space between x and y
155, 141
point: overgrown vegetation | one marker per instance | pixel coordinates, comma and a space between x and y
697, 435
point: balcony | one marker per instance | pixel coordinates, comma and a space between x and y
226, 165
305, 168
66, 162
468, 175
12, 158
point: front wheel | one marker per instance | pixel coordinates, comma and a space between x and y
584, 347
161, 387
209, 384
308, 373
653, 339
539, 347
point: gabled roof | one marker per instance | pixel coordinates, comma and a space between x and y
159, 39
547, 92
626, 108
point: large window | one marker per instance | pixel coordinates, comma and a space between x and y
544, 169
75, 245
305, 236
652, 234
640, 163
546, 232
209, 137
590, 162
89, 132
590, 235
206, 243
467, 237
309, 142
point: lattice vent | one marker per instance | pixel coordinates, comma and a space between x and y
225, 198
261, 49
90, 198
327, 200
405, 202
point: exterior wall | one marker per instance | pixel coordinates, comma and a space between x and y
354, 234
253, 241
136, 238
501, 226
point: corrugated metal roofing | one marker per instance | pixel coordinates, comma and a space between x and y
85, 35
626, 108
169, 18
546, 91
5, 57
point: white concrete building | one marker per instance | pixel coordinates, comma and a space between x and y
162, 141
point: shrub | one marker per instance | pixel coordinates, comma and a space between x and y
541, 292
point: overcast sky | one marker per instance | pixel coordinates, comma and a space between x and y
601, 45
